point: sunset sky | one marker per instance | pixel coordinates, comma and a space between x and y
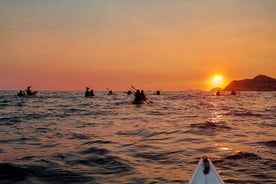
151, 44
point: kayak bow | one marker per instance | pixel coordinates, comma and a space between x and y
205, 173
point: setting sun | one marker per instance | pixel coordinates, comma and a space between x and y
217, 80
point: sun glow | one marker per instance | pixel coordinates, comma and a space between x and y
217, 80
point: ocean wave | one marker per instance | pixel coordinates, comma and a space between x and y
6, 121
98, 142
12, 173
95, 150
4, 104
246, 181
57, 175
162, 157
210, 125
99, 161
244, 155
268, 143
21, 140
106, 164
247, 113
49, 173
79, 136
137, 132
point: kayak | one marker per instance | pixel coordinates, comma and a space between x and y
141, 102
22, 94
32, 93
205, 173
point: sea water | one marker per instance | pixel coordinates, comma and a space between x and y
63, 137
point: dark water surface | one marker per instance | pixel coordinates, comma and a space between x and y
62, 137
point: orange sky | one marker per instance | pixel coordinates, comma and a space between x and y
168, 45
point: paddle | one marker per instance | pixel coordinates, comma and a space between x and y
133, 87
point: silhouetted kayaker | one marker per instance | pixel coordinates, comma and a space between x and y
110, 92
21, 93
28, 91
158, 93
233, 92
137, 96
87, 93
129, 92
140, 98
92, 93
143, 96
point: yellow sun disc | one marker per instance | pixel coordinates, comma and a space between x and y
217, 80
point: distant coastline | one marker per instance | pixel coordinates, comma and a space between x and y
258, 83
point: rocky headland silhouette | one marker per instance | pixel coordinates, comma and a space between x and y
258, 83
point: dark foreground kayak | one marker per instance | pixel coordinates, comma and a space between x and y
205, 173
140, 102
32, 93
21, 94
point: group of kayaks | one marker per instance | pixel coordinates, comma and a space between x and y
232, 93
89, 93
140, 97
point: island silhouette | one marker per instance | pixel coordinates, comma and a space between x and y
258, 83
